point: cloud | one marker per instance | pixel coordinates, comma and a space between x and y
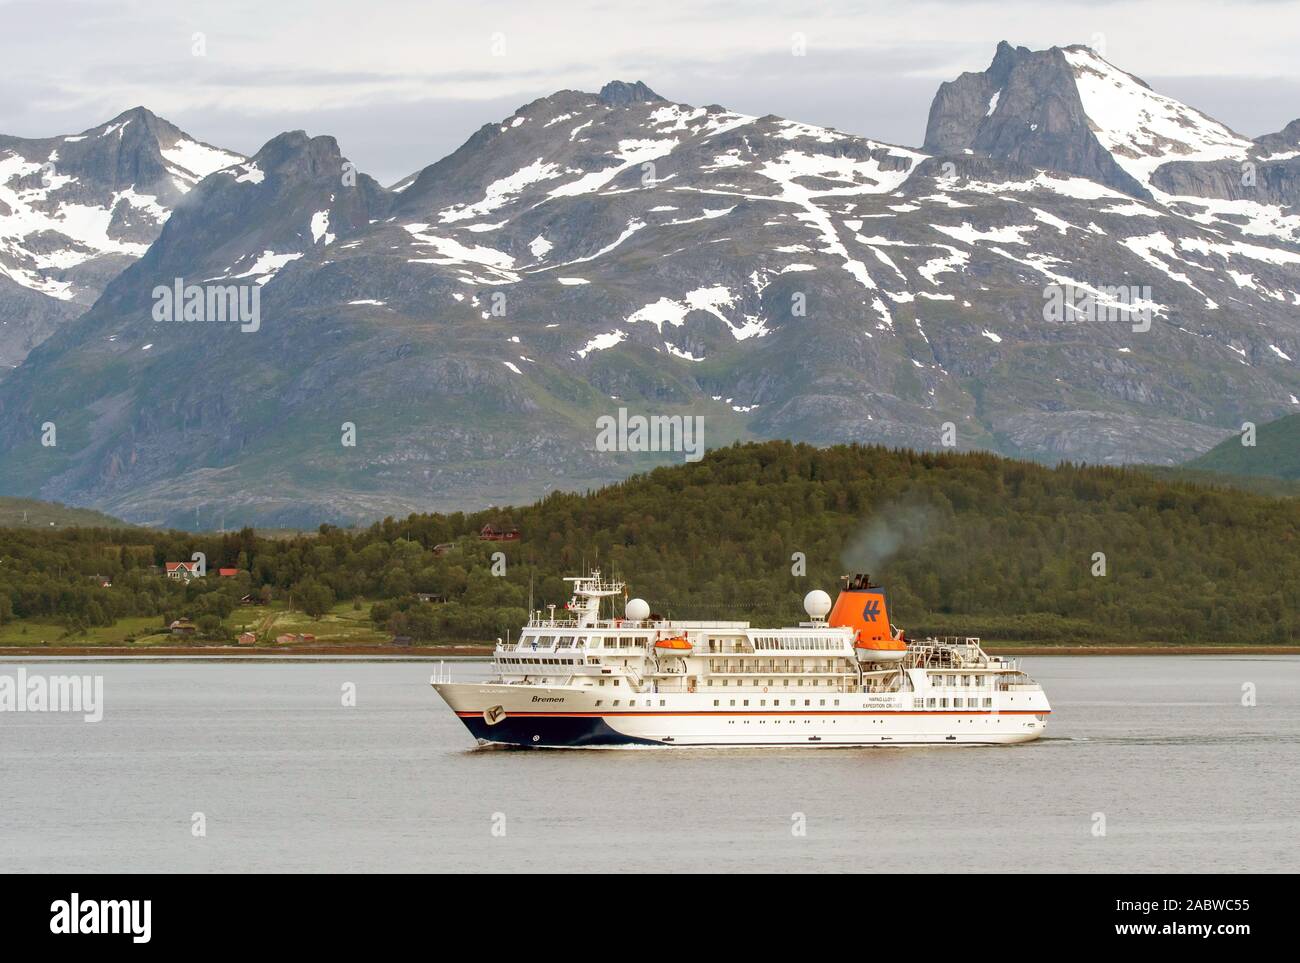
402, 82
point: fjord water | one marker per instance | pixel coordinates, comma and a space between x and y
287, 778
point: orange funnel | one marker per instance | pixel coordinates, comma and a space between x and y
866, 612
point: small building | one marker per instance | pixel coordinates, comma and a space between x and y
183, 571
496, 533
252, 600
429, 597
183, 627
247, 638
227, 572
103, 581
403, 640
289, 638
442, 548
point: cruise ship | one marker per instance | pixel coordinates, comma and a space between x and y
844, 677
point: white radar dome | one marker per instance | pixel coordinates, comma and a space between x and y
638, 610
817, 604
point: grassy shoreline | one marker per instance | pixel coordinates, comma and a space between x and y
346, 630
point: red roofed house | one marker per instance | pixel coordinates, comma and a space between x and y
183, 570
227, 572
495, 533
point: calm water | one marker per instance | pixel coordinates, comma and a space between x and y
288, 779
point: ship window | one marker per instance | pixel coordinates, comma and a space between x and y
602, 681
929, 703
807, 702
616, 682
616, 701
733, 702
762, 702
943, 703
661, 702
600, 702
715, 702
746, 702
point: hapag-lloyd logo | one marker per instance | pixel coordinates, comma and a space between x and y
219, 303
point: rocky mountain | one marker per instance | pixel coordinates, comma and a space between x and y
76, 210
1069, 110
451, 343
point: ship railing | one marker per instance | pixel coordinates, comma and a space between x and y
783, 673
537, 623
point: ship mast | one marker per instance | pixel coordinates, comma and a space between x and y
588, 590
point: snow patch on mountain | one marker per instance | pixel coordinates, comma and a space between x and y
1003, 235
456, 252
320, 228
267, 265
630, 153
601, 342
196, 160
502, 191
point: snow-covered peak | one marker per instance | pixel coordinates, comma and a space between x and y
78, 208
1141, 128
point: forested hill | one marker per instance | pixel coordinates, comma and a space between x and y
1276, 452
966, 543
27, 513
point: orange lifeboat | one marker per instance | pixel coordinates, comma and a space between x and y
862, 607
677, 648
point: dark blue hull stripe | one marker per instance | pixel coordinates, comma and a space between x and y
557, 732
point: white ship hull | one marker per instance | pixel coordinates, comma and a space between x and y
536, 716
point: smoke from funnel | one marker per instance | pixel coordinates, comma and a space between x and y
889, 531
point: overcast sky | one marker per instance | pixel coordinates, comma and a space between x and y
401, 83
